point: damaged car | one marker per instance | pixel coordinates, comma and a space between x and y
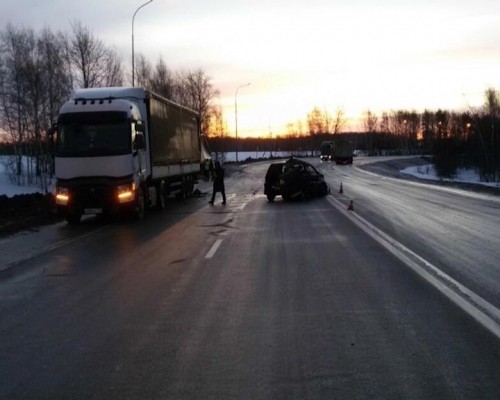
294, 179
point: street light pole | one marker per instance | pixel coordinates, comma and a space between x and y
133, 63
236, 115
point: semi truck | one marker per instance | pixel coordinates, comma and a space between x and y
339, 150
122, 150
326, 150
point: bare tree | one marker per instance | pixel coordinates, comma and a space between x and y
143, 72
34, 80
199, 95
428, 131
492, 102
316, 122
217, 126
57, 71
492, 108
181, 91
161, 80
370, 124
94, 64
412, 128
339, 121
51, 84
13, 91
405, 126
36, 120
290, 130
114, 69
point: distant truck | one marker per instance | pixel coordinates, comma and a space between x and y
123, 150
326, 151
343, 151
339, 150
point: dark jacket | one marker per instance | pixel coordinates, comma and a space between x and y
218, 179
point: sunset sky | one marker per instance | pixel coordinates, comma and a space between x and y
351, 54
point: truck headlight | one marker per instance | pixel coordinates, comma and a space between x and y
62, 196
126, 193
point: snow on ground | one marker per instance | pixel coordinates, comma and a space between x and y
11, 189
463, 175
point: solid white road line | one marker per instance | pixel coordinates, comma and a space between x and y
213, 249
481, 310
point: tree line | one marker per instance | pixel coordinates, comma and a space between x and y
39, 70
467, 139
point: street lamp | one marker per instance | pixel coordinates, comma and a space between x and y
133, 63
236, 115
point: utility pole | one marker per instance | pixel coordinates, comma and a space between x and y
133, 63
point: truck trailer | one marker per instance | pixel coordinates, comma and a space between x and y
343, 151
121, 150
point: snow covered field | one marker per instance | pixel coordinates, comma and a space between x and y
11, 189
463, 175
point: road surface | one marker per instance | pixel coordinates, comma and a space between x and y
259, 300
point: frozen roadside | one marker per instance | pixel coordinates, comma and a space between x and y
26, 245
420, 169
29, 244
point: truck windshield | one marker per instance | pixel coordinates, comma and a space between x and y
94, 134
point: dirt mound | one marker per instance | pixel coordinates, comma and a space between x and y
26, 211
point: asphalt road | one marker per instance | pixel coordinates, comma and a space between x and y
458, 231
252, 300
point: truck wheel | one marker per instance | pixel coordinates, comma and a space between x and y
161, 197
270, 197
181, 195
190, 186
74, 218
140, 205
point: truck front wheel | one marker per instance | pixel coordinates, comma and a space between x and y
74, 218
161, 197
140, 205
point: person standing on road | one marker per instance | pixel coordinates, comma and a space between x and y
218, 177
211, 168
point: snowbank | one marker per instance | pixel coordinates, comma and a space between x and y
463, 175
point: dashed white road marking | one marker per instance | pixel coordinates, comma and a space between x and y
213, 249
238, 202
